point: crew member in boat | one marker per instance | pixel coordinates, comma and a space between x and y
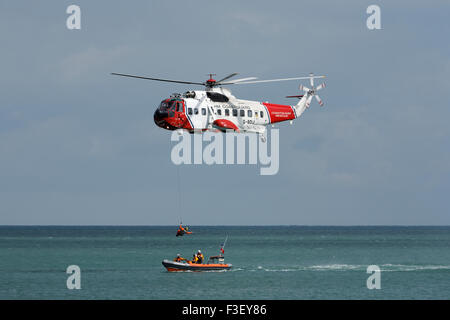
200, 257
179, 258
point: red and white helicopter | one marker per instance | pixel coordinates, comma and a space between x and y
215, 108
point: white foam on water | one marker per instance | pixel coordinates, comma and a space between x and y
346, 267
237, 269
343, 267
281, 270
404, 267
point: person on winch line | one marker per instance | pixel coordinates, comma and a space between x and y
180, 231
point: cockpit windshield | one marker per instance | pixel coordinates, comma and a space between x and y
163, 106
171, 105
166, 105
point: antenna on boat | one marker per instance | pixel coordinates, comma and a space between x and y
222, 250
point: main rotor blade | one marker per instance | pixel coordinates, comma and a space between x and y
228, 77
156, 79
238, 80
285, 79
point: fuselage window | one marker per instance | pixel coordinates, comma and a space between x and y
179, 107
242, 113
219, 112
190, 111
249, 113
195, 111
261, 114
227, 112
234, 113
204, 111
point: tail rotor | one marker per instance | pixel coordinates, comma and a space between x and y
312, 92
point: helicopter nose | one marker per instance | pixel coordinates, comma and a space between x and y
160, 117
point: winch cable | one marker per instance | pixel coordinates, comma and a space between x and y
179, 190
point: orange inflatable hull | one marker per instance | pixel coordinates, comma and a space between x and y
173, 266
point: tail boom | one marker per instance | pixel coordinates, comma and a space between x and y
279, 112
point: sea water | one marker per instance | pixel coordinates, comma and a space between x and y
270, 262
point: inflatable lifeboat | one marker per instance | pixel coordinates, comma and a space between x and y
215, 263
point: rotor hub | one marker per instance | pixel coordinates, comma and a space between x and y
211, 82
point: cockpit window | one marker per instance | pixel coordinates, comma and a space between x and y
172, 105
163, 105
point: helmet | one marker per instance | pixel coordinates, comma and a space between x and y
199, 251
178, 254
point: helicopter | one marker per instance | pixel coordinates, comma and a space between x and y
216, 108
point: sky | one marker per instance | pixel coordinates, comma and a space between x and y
79, 146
